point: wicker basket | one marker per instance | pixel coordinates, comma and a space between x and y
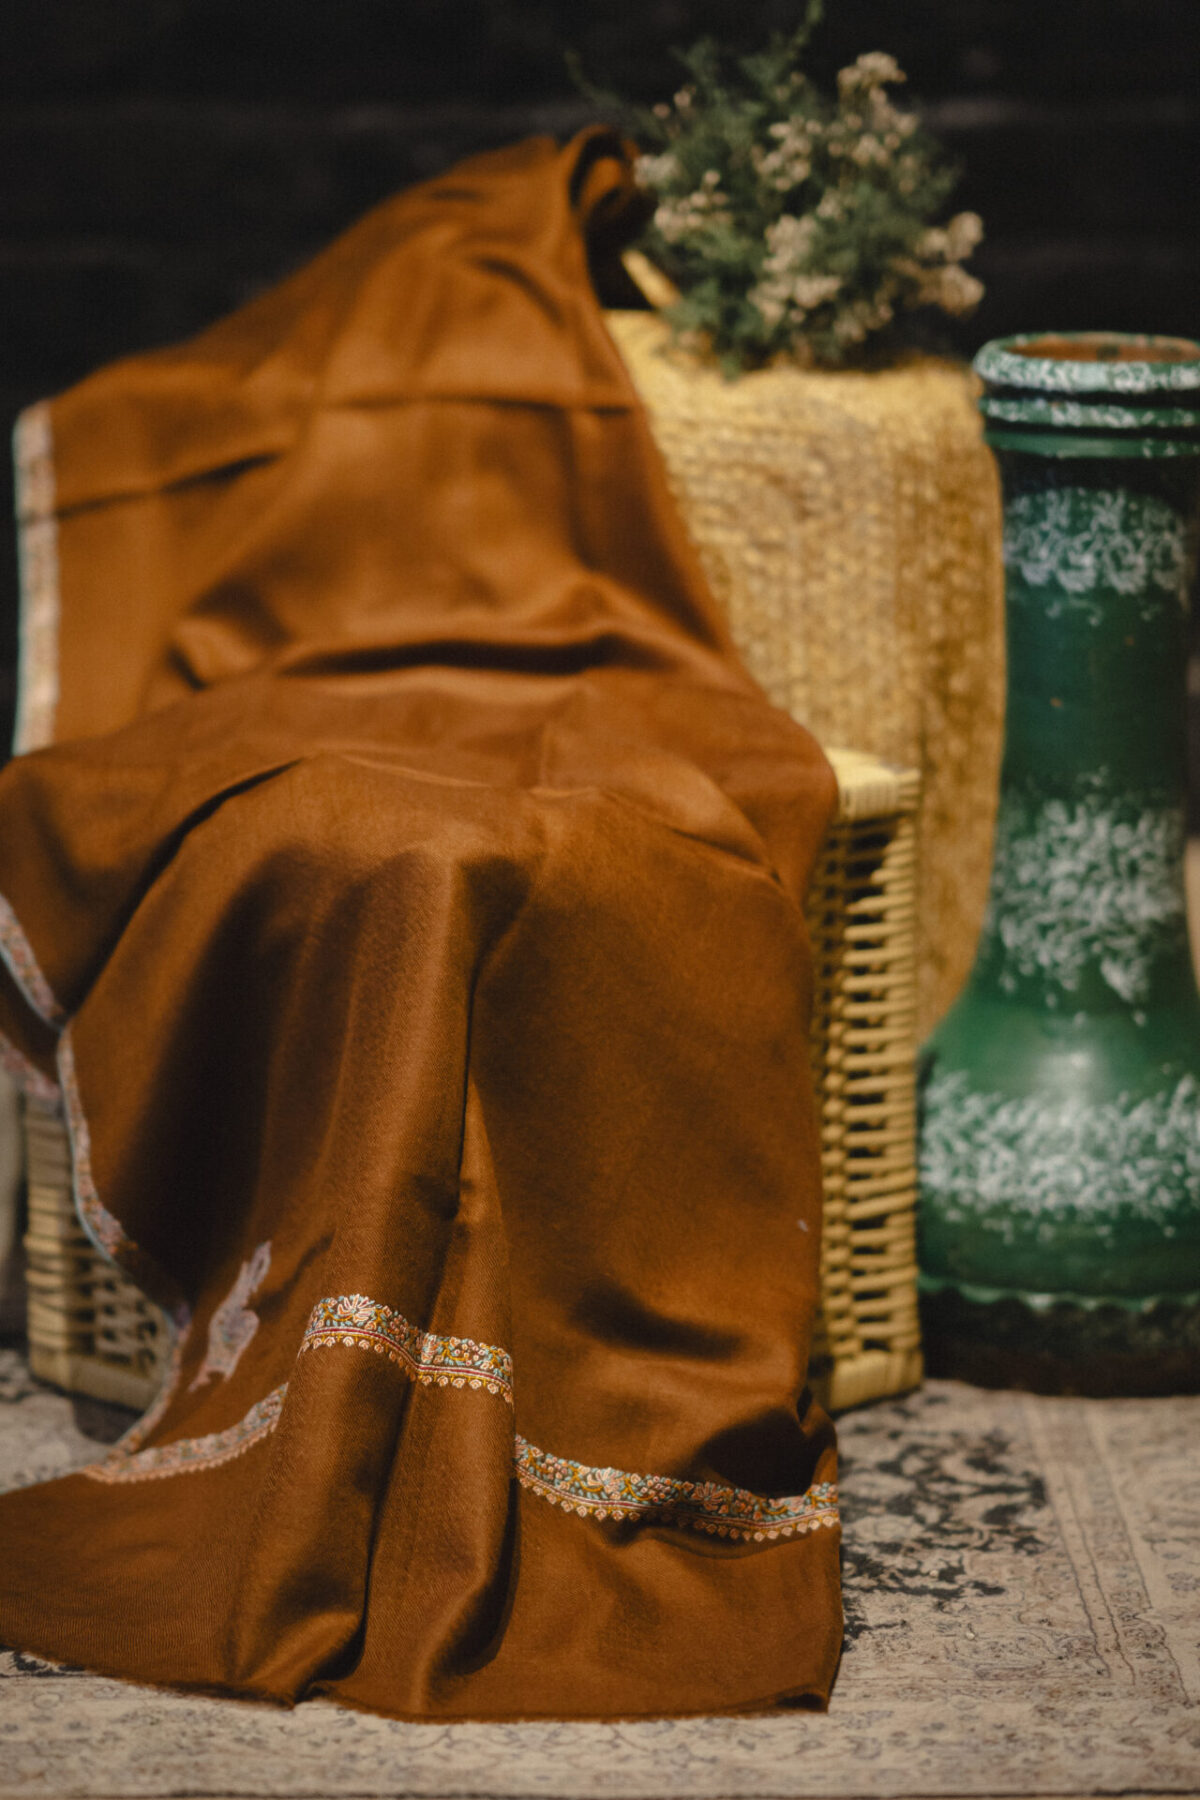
848, 523
92, 1332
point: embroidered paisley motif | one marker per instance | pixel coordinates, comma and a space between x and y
234, 1323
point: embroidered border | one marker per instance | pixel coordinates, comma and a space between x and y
37, 551
18, 955
187, 1454
36, 1087
351, 1320
425, 1356
109, 1236
179, 1322
703, 1505
105, 1231
359, 1323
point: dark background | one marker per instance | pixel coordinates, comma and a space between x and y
162, 160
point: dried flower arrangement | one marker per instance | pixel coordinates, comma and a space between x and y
796, 225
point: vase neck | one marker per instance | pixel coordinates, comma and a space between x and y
1098, 558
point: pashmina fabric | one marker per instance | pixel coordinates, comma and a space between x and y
405, 901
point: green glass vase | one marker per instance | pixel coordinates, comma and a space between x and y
1059, 1221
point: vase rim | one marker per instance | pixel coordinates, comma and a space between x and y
1103, 362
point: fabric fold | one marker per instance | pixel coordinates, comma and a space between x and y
410, 909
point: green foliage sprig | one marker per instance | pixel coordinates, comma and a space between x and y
796, 224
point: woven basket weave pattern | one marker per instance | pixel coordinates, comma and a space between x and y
862, 915
92, 1332
849, 524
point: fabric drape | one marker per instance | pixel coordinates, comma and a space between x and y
406, 907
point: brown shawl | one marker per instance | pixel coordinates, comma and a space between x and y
409, 914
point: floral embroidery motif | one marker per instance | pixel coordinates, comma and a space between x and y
364, 1324
234, 1323
24, 968
703, 1505
37, 550
186, 1455
357, 1322
35, 1086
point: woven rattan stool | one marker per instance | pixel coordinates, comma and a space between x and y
862, 920
92, 1332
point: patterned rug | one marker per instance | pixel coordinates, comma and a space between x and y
1022, 1582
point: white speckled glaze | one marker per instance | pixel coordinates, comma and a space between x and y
1077, 415
999, 1159
1007, 363
1060, 1136
1078, 884
1085, 543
